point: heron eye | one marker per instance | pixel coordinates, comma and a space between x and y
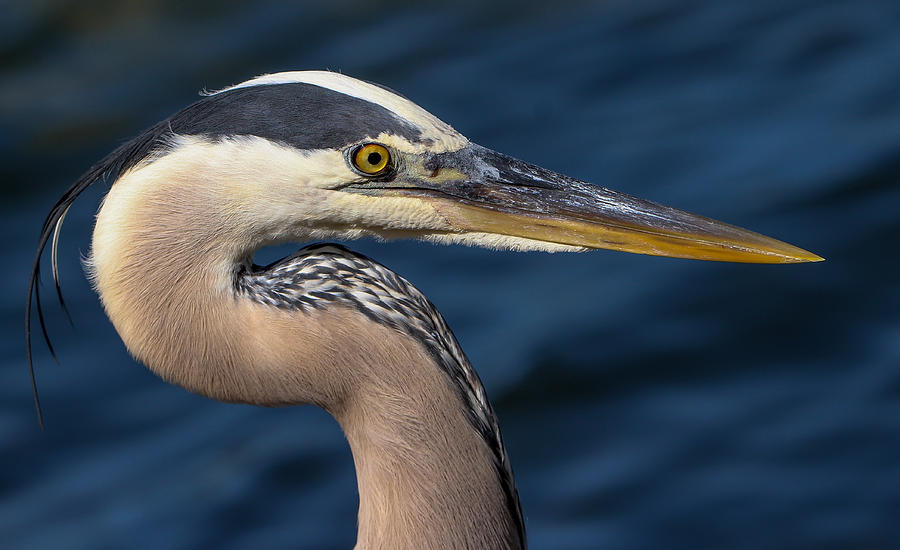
371, 159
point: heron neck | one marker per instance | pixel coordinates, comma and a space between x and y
426, 478
164, 264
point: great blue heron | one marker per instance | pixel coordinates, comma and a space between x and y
302, 156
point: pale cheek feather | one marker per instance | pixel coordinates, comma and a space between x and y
501, 242
262, 192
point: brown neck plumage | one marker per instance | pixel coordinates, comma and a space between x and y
426, 477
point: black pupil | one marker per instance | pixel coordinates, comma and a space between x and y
374, 158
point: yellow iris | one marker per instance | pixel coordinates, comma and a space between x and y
371, 159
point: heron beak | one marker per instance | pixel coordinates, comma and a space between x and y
479, 190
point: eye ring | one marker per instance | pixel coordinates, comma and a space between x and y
372, 159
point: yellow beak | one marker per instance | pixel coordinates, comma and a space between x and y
484, 191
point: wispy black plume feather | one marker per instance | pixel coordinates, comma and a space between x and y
120, 160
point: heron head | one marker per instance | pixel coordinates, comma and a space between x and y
314, 155
347, 158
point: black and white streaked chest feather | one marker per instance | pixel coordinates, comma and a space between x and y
320, 276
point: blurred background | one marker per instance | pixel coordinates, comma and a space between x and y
646, 402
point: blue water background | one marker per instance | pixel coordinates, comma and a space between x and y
647, 403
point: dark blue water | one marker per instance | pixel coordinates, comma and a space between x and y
647, 403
